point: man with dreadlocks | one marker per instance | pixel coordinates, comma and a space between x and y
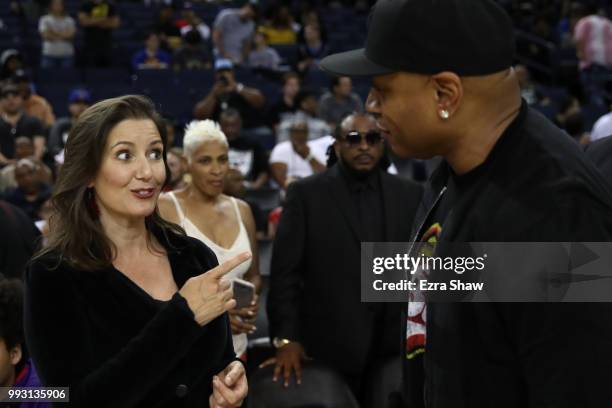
314, 305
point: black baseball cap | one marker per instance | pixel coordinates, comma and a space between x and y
467, 37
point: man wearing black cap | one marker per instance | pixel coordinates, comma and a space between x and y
443, 85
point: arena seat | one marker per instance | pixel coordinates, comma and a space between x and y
320, 388
267, 198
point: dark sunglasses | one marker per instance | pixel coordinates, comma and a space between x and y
354, 138
9, 93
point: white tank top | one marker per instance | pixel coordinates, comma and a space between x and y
241, 244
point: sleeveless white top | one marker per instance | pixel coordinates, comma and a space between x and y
241, 244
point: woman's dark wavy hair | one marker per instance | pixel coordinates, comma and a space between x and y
76, 234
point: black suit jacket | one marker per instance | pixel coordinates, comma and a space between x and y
510, 355
19, 240
600, 152
315, 274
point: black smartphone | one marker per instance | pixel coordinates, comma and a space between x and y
244, 292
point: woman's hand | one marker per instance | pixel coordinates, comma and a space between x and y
229, 387
243, 320
207, 295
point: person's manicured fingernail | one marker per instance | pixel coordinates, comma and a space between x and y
228, 379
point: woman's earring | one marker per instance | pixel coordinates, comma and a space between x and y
444, 114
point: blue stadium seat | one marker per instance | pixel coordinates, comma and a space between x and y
107, 76
289, 53
105, 90
57, 95
317, 80
59, 76
267, 198
196, 83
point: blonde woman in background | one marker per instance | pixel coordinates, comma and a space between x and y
223, 223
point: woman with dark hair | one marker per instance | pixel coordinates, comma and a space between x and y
104, 314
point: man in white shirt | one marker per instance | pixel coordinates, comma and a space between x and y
603, 125
298, 157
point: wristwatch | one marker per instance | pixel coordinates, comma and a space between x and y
278, 342
309, 157
239, 87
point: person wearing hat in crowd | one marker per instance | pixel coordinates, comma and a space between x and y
233, 31
14, 122
34, 105
443, 84
10, 61
229, 93
78, 100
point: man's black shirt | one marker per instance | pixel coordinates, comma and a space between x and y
536, 185
367, 199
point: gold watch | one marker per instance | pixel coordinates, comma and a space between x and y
278, 342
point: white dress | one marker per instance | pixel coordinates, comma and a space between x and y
241, 244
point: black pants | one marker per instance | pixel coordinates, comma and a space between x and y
379, 385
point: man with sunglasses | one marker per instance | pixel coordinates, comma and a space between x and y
314, 305
14, 122
443, 84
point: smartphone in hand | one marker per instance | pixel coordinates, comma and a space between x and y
244, 292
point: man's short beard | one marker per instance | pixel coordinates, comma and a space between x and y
357, 173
